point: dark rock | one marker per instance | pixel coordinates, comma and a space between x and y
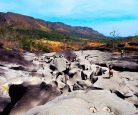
23, 95
125, 67
66, 71
122, 65
93, 78
133, 44
83, 76
3, 103
18, 68
16, 92
12, 56
1, 45
120, 94
53, 68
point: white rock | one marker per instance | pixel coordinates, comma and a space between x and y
81, 103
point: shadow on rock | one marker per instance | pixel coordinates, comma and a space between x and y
12, 56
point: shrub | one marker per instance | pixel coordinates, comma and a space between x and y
29, 44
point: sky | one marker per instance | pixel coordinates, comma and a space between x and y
104, 16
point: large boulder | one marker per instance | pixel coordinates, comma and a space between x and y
95, 102
25, 97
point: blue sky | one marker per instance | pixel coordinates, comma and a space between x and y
102, 15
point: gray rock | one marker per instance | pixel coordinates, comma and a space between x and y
81, 103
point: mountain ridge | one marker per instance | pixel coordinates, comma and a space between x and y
19, 21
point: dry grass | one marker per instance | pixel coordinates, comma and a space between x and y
94, 44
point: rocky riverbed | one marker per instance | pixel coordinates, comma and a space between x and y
82, 84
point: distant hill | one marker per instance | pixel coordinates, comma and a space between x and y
17, 25
77, 31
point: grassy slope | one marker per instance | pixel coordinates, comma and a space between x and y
25, 39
